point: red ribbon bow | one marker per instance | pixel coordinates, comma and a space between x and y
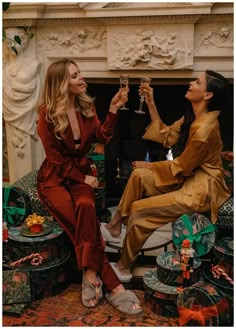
186, 314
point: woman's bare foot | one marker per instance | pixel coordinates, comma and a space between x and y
123, 270
114, 227
119, 289
91, 276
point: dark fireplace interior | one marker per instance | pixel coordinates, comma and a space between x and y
127, 144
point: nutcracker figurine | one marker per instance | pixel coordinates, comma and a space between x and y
186, 263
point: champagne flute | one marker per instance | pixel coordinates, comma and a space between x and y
144, 82
124, 82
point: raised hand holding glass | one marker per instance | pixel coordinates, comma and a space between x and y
144, 82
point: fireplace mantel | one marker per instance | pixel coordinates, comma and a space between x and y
169, 41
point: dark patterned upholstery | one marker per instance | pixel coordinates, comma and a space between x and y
28, 183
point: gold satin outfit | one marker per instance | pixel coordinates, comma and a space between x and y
192, 182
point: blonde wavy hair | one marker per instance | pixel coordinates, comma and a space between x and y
55, 97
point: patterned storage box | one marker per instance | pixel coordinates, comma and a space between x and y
204, 304
48, 279
160, 298
16, 292
198, 229
51, 246
16, 287
170, 273
224, 250
16, 205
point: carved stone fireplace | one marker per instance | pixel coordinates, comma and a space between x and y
169, 42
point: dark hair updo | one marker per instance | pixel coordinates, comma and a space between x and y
218, 85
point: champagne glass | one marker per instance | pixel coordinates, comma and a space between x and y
144, 82
124, 82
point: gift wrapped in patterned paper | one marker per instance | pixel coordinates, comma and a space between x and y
198, 229
160, 298
16, 287
169, 270
16, 205
204, 305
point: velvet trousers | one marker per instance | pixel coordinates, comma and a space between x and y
73, 207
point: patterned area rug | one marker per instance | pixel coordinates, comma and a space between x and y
66, 310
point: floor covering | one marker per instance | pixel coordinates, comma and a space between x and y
66, 310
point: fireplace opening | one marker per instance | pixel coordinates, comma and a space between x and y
128, 145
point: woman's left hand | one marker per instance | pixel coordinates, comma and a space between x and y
141, 164
120, 98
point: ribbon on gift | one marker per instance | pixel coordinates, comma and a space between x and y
193, 237
186, 314
9, 211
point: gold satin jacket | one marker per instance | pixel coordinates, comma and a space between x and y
199, 168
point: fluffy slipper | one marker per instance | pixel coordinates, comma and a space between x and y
121, 277
91, 291
123, 302
106, 234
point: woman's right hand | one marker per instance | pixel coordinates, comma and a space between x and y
120, 98
92, 181
147, 91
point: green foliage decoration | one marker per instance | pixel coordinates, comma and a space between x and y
16, 39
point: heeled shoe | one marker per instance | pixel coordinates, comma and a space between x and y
91, 291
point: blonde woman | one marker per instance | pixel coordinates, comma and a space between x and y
67, 125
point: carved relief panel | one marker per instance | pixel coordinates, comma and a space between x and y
159, 47
72, 41
214, 39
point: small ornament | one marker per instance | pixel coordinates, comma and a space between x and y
218, 271
35, 259
34, 223
186, 263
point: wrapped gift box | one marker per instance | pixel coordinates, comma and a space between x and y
160, 298
203, 304
16, 205
47, 279
16, 287
198, 229
50, 244
169, 271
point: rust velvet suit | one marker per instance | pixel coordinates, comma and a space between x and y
62, 189
192, 182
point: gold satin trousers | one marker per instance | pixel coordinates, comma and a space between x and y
148, 208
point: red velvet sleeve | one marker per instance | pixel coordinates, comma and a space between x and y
104, 132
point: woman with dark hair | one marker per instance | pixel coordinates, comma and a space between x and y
192, 182
67, 125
